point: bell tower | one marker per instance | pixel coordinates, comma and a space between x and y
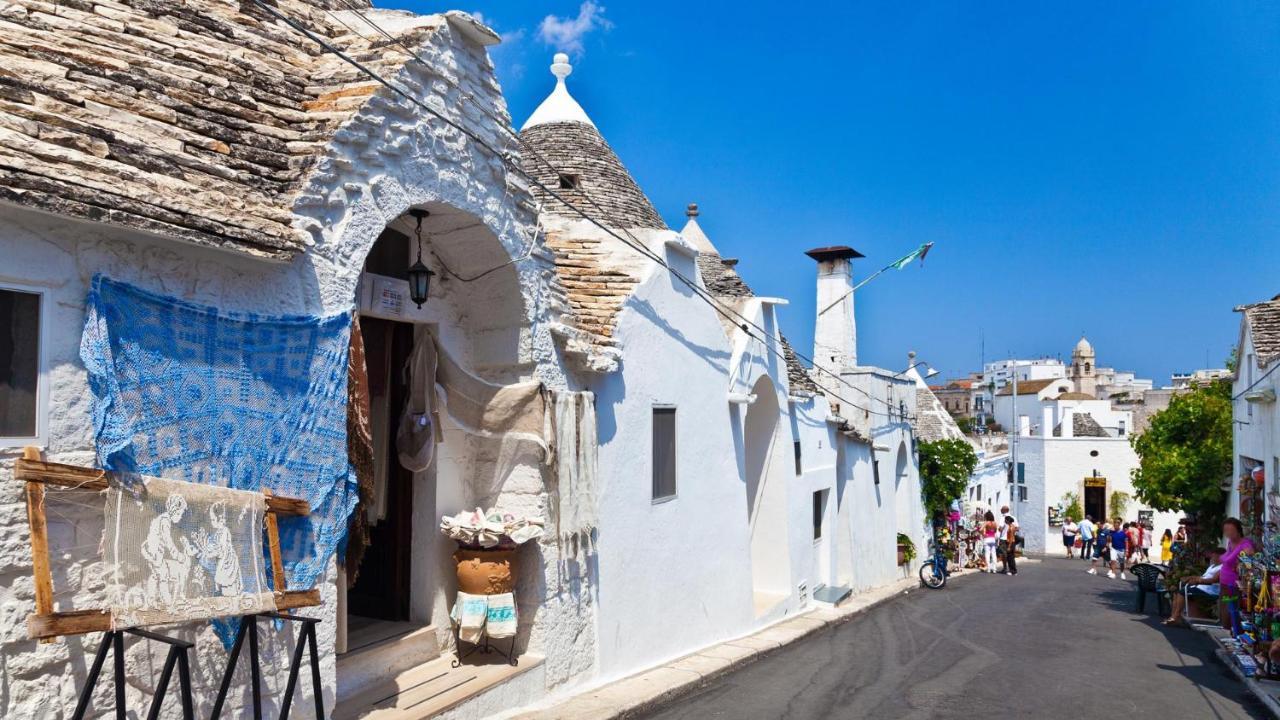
1084, 368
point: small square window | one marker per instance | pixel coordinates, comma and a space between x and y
569, 182
664, 453
20, 401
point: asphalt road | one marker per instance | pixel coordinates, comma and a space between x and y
1053, 642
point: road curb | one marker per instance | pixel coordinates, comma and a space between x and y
1253, 686
662, 685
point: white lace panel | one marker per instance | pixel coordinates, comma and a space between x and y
178, 551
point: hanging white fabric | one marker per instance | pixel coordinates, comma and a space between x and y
573, 429
417, 434
495, 411
177, 551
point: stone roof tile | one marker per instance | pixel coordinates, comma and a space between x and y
1264, 328
197, 120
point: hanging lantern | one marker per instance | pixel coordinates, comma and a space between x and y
419, 274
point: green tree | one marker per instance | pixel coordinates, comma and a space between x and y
1185, 452
966, 424
1071, 503
945, 467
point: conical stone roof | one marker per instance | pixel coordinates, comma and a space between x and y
569, 155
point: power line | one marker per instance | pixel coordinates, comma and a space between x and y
511, 165
634, 243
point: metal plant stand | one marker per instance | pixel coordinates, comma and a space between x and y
484, 647
113, 640
306, 640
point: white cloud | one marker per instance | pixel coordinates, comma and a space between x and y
566, 33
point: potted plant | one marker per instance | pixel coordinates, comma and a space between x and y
906, 549
487, 543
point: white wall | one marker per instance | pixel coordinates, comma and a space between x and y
361, 184
1055, 466
673, 575
1256, 425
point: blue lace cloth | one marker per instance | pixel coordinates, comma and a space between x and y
185, 392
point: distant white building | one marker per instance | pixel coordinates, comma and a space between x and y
1255, 386
1182, 380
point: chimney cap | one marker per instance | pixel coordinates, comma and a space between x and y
834, 252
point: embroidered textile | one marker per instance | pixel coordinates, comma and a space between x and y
177, 551
185, 392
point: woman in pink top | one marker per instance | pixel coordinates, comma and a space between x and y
1236, 543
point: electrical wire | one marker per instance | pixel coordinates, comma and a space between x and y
514, 167
728, 313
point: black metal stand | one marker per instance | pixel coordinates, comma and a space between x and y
484, 648
306, 641
113, 640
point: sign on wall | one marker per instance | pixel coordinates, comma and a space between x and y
1095, 482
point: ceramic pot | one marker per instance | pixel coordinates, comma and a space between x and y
902, 554
486, 572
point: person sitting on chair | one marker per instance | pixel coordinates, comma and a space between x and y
1204, 587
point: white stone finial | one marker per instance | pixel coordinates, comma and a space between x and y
559, 105
560, 67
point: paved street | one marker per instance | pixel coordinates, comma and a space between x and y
1052, 642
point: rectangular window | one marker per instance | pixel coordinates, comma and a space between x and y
1022, 473
19, 365
819, 511
875, 470
664, 452
1022, 493
799, 466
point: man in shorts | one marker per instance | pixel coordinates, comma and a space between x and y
1101, 548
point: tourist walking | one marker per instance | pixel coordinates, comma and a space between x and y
989, 529
1087, 531
1069, 532
1119, 549
1166, 546
1133, 542
1101, 548
1237, 543
1011, 545
1145, 542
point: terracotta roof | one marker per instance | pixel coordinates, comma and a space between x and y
198, 120
1075, 396
1029, 387
1263, 320
1082, 425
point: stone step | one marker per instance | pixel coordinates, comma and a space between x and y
432, 688
369, 663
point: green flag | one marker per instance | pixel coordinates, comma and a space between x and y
919, 252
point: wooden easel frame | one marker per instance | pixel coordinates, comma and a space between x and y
45, 624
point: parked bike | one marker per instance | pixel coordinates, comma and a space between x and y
933, 573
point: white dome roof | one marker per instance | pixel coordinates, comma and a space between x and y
559, 105
1083, 347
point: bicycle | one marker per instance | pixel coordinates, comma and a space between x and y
933, 573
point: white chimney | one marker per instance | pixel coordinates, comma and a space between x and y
835, 332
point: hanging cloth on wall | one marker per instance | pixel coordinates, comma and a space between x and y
418, 430
359, 450
178, 551
185, 392
573, 433
481, 408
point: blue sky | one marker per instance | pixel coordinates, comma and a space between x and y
1106, 168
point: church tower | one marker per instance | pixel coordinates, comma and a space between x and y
1084, 368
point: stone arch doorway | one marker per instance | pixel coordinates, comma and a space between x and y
905, 493
478, 312
766, 488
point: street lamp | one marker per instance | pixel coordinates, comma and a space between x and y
419, 274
